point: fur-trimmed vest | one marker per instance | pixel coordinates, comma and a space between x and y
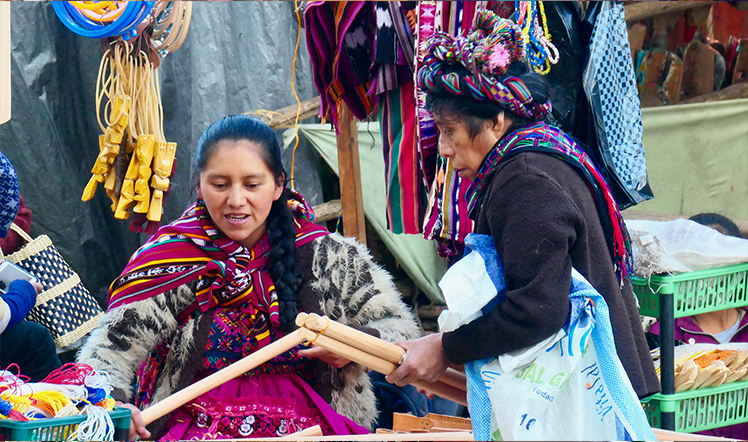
340, 281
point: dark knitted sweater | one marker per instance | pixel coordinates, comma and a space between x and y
543, 220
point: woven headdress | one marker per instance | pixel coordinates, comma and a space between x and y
9, 195
486, 53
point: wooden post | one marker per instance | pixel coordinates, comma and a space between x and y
4, 62
349, 171
641, 10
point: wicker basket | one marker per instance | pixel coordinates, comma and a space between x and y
65, 307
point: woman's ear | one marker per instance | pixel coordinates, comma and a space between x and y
499, 125
199, 192
279, 186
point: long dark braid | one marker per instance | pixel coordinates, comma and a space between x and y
282, 236
280, 222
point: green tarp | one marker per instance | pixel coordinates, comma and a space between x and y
697, 158
415, 254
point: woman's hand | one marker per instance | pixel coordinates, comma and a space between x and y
325, 356
136, 421
424, 360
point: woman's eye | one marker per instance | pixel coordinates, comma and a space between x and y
219, 185
252, 186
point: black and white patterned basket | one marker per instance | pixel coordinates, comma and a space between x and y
65, 307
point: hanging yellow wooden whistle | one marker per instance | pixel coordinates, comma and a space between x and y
138, 171
109, 148
162, 166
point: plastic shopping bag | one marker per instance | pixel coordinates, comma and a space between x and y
571, 386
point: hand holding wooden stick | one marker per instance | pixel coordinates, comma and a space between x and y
379, 355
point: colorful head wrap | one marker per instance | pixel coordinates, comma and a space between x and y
9, 195
486, 53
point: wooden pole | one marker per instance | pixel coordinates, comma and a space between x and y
286, 117
349, 171
4, 62
641, 10
370, 344
381, 365
733, 92
238, 368
327, 211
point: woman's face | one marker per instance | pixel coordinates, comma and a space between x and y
465, 152
238, 190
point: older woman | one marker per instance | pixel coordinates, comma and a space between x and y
536, 192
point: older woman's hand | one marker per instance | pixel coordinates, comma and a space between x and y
425, 359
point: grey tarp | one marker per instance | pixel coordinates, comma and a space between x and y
237, 57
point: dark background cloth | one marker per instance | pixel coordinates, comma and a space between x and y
29, 345
237, 57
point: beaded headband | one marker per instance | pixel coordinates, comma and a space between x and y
492, 45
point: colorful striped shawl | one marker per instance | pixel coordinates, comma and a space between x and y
541, 137
192, 248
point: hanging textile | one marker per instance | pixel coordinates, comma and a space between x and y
405, 191
610, 85
446, 221
393, 83
427, 133
339, 38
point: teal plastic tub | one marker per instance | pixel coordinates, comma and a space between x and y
59, 429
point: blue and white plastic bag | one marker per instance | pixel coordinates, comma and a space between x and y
571, 386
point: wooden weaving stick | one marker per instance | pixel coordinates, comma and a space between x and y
378, 364
370, 344
238, 368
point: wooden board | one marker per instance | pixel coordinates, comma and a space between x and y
662, 76
740, 74
698, 70
4, 62
641, 10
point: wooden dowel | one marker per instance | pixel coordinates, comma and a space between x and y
238, 368
380, 365
454, 378
355, 338
667, 435
307, 432
443, 390
394, 437
369, 344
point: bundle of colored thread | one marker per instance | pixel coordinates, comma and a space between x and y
71, 390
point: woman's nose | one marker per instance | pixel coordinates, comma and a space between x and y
236, 197
445, 150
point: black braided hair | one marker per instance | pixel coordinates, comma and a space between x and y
282, 236
280, 221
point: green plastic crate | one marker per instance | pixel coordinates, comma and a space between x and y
60, 428
694, 292
703, 408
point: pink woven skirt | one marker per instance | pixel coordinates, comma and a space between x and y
264, 405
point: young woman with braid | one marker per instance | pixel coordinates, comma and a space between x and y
228, 278
536, 192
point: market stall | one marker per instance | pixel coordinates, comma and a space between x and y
602, 61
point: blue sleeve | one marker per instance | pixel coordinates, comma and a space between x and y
21, 297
